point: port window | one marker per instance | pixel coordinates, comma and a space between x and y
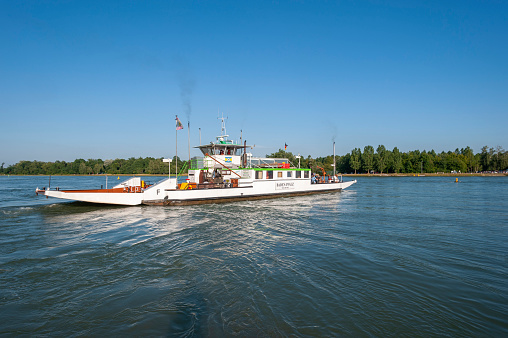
289, 173
306, 174
259, 175
279, 174
298, 174
269, 174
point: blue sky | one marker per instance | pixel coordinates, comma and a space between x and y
104, 79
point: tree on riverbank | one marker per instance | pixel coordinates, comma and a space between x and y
355, 159
368, 158
381, 158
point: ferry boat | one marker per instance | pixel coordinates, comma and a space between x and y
226, 172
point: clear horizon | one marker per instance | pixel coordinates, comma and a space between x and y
102, 79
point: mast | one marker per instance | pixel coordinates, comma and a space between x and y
188, 134
245, 153
176, 157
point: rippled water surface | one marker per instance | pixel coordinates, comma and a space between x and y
414, 256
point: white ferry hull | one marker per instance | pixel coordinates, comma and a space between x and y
187, 197
97, 197
164, 193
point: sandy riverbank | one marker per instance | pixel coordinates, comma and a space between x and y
426, 174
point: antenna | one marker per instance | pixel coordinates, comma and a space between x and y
223, 125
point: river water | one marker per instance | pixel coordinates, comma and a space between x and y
404, 256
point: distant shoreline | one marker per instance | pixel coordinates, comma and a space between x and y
346, 175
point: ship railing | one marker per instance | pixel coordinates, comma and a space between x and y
269, 162
197, 163
184, 166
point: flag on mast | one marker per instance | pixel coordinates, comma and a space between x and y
179, 125
285, 146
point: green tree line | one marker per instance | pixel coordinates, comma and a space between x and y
382, 160
379, 160
148, 165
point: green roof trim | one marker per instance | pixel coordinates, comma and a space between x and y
279, 169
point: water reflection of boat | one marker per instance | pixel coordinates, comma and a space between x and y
226, 172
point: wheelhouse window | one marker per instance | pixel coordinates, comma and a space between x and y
298, 174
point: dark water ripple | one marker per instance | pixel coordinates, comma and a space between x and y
392, 256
